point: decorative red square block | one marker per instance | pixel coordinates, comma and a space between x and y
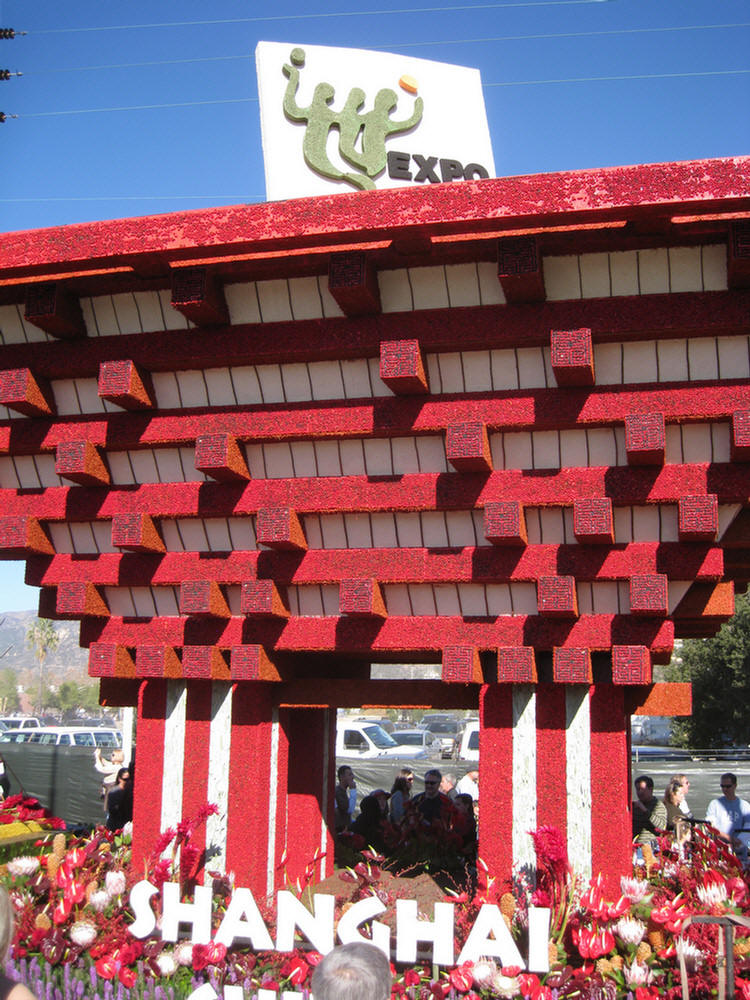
631, 665
279, 528
261, 598
572, 355
571, 666
361, 598
82, 463
645, 438
125, 384
353, 283
556, 597
251, 663
738, 256
204, 598
516, 665
467, 447
648, 594
137, 533
401, 366
157, 661
698, 518
23, 392
505, 523
519, 269
23, 536
204, 662
741, 436
107, 659
592, 520
198, 294
461, 665
221, 458
77, 599
54, 309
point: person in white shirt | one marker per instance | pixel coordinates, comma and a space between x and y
469, 785
730, 815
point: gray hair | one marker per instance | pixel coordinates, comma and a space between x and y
7, 923
355, 971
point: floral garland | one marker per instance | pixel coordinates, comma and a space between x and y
72, 938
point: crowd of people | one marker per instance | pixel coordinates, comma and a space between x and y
728, 814
396, 823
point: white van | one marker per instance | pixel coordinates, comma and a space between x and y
367, 739
469, 749
65, 736
20, 722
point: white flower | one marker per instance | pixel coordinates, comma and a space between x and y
636, 974
165, 961
483, 972
629, 930
127, 830
83, 933
693, 956
115, 883
99, 900
183, 953
634, 889
21, 867
713, 894
505, 986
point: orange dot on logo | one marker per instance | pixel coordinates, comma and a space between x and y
408, 83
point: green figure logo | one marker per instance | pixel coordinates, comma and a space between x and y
361, 136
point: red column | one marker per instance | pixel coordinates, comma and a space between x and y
149, 756
611, 831
496, 777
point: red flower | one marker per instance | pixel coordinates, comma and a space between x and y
593, 943
106, 967
62, 911
127, 977
462, 977
314, 958
529, 985
412, 978
295, 970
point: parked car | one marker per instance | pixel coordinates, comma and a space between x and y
446, 733
20, 721
469, 748
414, 738
65, 736
368, 739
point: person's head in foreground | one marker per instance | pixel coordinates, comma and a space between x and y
7, 921
356, 971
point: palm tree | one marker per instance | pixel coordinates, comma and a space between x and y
43, 639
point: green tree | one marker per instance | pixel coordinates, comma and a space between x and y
719, 670
43, 639
8, 690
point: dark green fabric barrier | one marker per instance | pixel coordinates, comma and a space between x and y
62, 778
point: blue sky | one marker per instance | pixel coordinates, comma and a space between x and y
150, 107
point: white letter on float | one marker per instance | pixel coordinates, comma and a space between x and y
205, 992
365, 909
316, 926
479, 944
140, 901
539, 917
243, 922
410, 929
197, 914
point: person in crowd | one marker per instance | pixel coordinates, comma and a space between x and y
465, 823
9, 988
469, 785
730, 816
674, 795
432, 803
355, 971
649, 813
109, 769
400, 795
448, 786
684, 781
381, 796
120, 801
4, 779
369, 824
345, 798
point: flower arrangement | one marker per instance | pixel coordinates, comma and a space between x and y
73, 940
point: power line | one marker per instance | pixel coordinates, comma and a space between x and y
408, 45
635, 76
323, 14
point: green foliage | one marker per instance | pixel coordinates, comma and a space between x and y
719, 670
8, 691
42, 638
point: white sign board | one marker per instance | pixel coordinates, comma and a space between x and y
336, 120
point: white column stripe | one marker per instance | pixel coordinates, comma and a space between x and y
174, 754
219, 754
578, 777
273, 785
524, 773
325, 794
